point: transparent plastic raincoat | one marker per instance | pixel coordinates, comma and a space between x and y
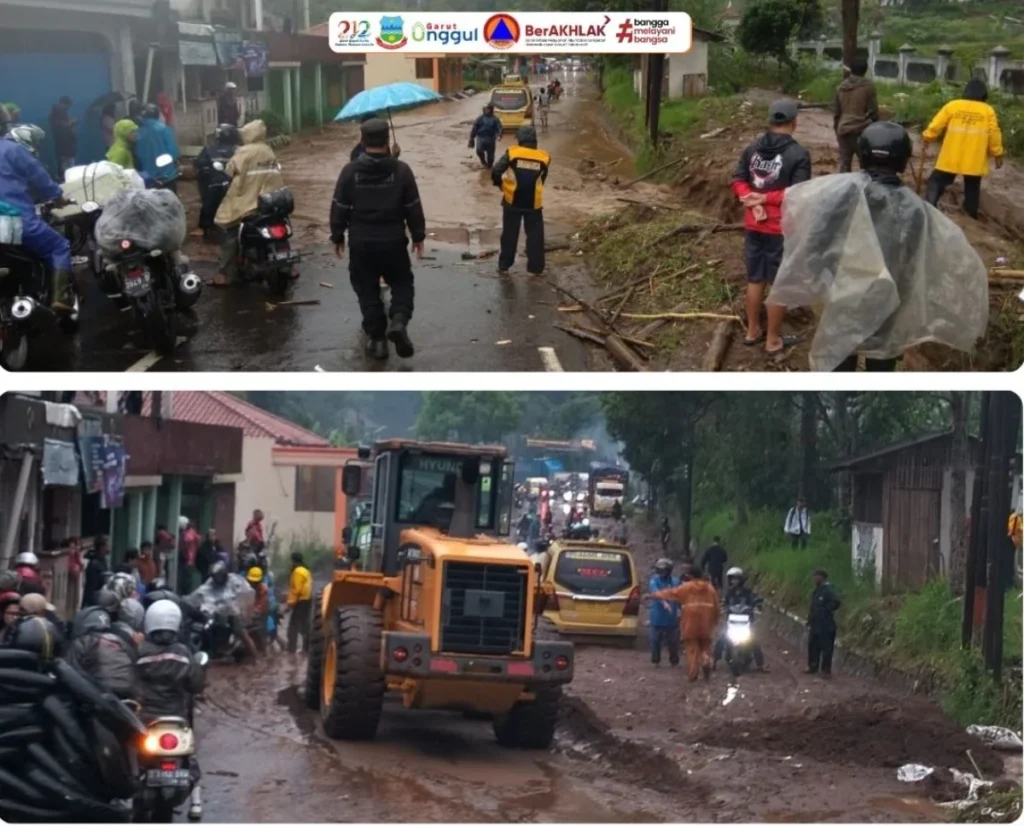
886, 270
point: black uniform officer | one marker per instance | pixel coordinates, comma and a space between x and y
520, 174
821, 625
375, 201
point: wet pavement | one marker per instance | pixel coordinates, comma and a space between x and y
466, 319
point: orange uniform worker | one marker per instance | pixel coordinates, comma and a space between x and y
701, 612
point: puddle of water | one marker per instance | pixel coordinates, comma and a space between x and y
916, 807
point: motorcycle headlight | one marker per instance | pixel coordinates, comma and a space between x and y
739, 634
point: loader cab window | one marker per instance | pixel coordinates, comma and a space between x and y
426, 492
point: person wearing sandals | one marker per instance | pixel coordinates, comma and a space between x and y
766, 169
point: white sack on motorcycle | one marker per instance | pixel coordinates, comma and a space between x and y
152, 219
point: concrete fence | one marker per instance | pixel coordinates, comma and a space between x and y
998, 70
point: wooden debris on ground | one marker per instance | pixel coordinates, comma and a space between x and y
638, 202
691, 228
1003, 272
612, 341
327, 285
309, 302
653, 172
715, 356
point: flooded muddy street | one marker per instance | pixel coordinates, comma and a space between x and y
466, 317
635, 743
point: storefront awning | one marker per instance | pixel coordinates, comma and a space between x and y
196, 46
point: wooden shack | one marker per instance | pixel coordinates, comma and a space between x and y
902, 509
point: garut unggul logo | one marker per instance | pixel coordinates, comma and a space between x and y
443, 34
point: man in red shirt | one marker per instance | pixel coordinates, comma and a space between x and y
254, 532
769, 166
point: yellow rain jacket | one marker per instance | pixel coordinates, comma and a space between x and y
972, 135
253, 170
300, 586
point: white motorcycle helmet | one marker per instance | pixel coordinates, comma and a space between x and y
28, 135
182, 523
735, 573
122, 586
164, 615
26, 559
523, 546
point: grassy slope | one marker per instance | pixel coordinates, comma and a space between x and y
917, 632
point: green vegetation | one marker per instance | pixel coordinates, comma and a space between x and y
918, 633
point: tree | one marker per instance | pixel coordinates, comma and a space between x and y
768, 26
960, 408
479, 417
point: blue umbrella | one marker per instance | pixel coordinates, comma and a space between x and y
390, 97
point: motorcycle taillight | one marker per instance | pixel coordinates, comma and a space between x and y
279, 231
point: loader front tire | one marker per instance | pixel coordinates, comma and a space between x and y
315, 657
353, 684
530, 725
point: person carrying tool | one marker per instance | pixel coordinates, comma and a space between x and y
972, 135
701, 612
520, 175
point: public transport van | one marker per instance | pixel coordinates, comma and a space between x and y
513, 106
597, 591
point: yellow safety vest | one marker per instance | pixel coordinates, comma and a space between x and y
522, 185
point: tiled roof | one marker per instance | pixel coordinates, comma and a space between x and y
231, 411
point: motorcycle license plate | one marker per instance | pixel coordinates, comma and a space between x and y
288, 255
168, 778
137, 282
739, 619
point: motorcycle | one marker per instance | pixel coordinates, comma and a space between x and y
154, 287
264, 241
218, 639
739, 638
165, 757
25, 299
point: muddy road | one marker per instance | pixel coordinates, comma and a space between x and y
466, 319
635, 743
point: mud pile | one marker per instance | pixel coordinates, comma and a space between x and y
582, 734
864, 732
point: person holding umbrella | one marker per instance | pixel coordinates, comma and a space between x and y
375, 201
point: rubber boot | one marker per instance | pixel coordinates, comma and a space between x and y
399, 336
377, 349
195, 809
62, 300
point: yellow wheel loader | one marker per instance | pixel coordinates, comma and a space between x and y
442, 612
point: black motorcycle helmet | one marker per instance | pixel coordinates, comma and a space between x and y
228, 135
150, 112
884, 146
37, 635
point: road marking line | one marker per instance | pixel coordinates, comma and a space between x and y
151, 358
550, 360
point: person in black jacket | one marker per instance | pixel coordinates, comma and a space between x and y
96, 570
713, 562
766, 169
213, 183
821, 624
169, 678
375, 201
485, 133
520, 175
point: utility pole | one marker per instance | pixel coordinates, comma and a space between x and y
655, 79
1005, 423
974, 579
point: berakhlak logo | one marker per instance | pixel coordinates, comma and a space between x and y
392, 34
625, 31
501, 31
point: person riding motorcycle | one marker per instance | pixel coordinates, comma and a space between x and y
23, 180
253, 171
169, 678
153, 140
158, 591
738, 599
102, 653
26, 565
224, 593
213, 183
